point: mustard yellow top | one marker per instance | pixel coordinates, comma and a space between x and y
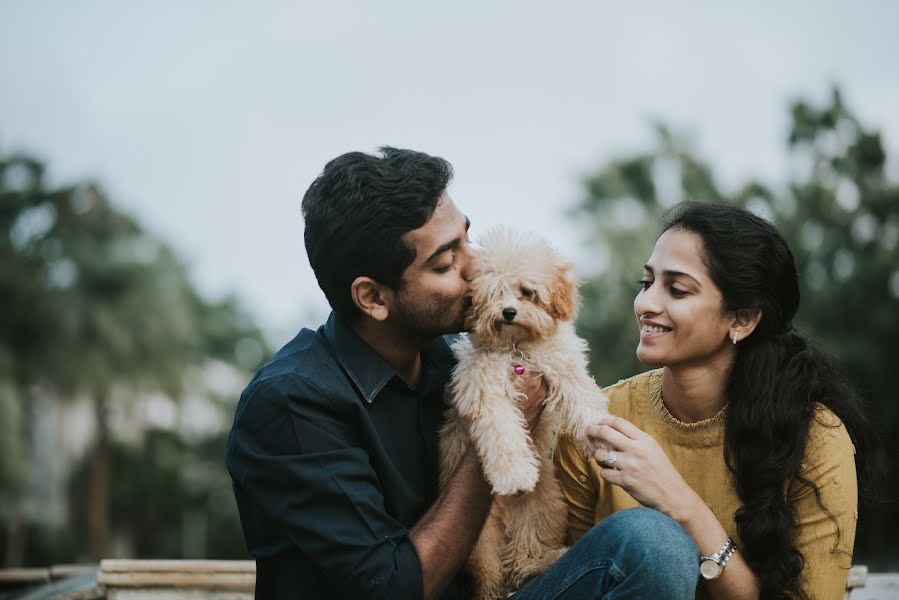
697, 451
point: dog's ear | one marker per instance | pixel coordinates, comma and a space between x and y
563, 296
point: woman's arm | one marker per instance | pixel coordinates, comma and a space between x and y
644, 471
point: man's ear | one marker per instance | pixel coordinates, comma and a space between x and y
745, 322
371, 297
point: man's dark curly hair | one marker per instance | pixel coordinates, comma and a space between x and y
356, 213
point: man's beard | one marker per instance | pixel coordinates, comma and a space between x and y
430, 319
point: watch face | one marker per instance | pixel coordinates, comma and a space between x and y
709, 569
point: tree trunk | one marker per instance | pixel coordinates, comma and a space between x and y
98, 493
15, 535
19, 413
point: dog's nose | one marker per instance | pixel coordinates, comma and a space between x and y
509, 314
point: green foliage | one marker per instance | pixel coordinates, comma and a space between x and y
93, 305
840, 213
171, 495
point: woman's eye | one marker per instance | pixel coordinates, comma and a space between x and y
644, 283
677, 293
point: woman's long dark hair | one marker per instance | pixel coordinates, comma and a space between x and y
776, 380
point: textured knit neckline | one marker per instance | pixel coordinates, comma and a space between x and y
714, 423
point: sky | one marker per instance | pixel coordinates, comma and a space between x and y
209, 119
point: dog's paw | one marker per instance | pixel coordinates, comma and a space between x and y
520, 481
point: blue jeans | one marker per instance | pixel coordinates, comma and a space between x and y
635, 553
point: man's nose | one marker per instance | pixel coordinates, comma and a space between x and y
470, 268
509, 313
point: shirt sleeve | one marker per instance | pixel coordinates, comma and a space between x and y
578, 488
826, 540
297, 456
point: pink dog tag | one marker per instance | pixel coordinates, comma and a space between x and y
518, 368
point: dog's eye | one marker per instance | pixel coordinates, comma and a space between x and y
527, 292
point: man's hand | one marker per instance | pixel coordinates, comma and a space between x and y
534, 389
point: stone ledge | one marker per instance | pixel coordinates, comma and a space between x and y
13, 577
119, 579
236, 576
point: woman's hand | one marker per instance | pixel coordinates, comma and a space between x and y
641, 467
644, 471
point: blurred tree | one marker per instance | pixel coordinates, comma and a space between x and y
171, 495
840, 213
94, 305
24, 311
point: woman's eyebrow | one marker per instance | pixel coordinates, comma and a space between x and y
671, 274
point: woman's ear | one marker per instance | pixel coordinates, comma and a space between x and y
745, 322
370, 297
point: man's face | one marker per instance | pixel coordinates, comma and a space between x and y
435, 293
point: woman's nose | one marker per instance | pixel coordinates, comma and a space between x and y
647, 301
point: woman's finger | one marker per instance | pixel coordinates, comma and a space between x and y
611, 475
612, 437
624, 426
607, 458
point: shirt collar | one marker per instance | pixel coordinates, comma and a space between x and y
368, 370
365, 367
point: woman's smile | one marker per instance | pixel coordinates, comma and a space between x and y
650, 332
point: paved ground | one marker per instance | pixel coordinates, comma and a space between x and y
880, 586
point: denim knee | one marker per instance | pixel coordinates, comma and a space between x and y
653, 547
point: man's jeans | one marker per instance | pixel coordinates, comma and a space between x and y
635, 553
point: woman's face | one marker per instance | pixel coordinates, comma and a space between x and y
679, 308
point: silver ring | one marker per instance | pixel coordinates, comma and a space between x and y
611, 459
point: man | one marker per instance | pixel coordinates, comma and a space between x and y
333, 452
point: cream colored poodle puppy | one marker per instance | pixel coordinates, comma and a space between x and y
524, 300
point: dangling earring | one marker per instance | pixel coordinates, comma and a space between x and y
735, 338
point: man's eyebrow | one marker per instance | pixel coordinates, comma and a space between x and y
450, 245
671, 273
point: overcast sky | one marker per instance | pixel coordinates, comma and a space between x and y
208, 120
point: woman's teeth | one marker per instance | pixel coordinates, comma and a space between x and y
654, 329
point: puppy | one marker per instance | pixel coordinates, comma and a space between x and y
524, 300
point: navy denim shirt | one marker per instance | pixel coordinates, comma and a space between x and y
334, 458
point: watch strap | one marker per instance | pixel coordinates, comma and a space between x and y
722, 556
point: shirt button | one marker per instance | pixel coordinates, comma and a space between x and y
833, 434
582, 478
706, 442
836, 479
856, 515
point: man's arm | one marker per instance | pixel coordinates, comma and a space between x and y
445, 535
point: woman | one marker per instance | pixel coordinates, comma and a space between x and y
747, 435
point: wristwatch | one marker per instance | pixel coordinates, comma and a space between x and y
710, 567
